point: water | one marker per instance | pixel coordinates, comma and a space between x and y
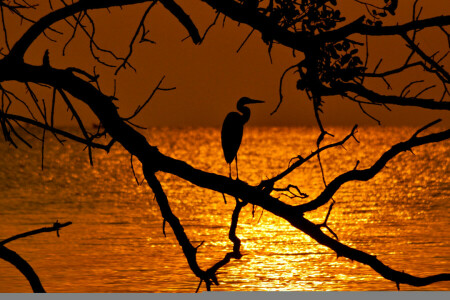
116, 243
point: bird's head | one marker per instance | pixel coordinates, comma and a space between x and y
245, 100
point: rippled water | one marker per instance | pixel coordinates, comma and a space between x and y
116, 243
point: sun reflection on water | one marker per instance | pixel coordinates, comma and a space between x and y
116, 243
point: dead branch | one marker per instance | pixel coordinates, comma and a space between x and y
189, 250
22, 265
183, 18
56, 227
441, 72
153, 160
236, 254
245, 40
280, 94
21, 46
343, 88
79, 122
210, 26
300, 160
56, 131
292, 191
140, 107
366, 174
141, 25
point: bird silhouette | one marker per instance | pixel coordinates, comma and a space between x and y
233, 128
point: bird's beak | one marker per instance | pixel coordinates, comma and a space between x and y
250, 101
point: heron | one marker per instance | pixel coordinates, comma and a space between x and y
233, 128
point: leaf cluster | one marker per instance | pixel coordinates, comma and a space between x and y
339, 61
306, 15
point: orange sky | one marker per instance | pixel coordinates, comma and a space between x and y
210, 78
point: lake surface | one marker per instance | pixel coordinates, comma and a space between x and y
116, 242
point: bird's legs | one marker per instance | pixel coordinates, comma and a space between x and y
237, 173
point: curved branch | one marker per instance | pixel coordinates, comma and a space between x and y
236, 254
398, 277
366, 174
427, 58
57, 131
141, 25
261, 22
152, 160
184, 19
301, 160
359, 27
342, 88
280, 93
189, 251
24, 267
56, 227
300, 40
21, 46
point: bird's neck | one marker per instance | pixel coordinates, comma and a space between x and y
245, 112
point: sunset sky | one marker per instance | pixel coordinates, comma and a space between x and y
210, 78
118, 240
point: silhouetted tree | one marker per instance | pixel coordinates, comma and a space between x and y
331, 65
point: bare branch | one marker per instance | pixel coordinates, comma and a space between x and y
189, 251
210, 26
236, 254
245, 40
80, 123
141, 25
366, 174
342, 88
56, 131
24, 267
441, 71
56, 227
280, 89
184, 19
301, 160
21, 46
140, 107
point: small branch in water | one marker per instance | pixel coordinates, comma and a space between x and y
236, 245
22, 265
56, 227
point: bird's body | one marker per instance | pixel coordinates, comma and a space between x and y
233, 129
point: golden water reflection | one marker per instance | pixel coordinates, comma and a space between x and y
116, 242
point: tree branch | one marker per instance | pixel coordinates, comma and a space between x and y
369, 173
342, 88
22, 265
184, 19
359, 27
236, 253
300, 160
440, 70
152, 161
57, 131
21, 46
56, 227
189, 251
